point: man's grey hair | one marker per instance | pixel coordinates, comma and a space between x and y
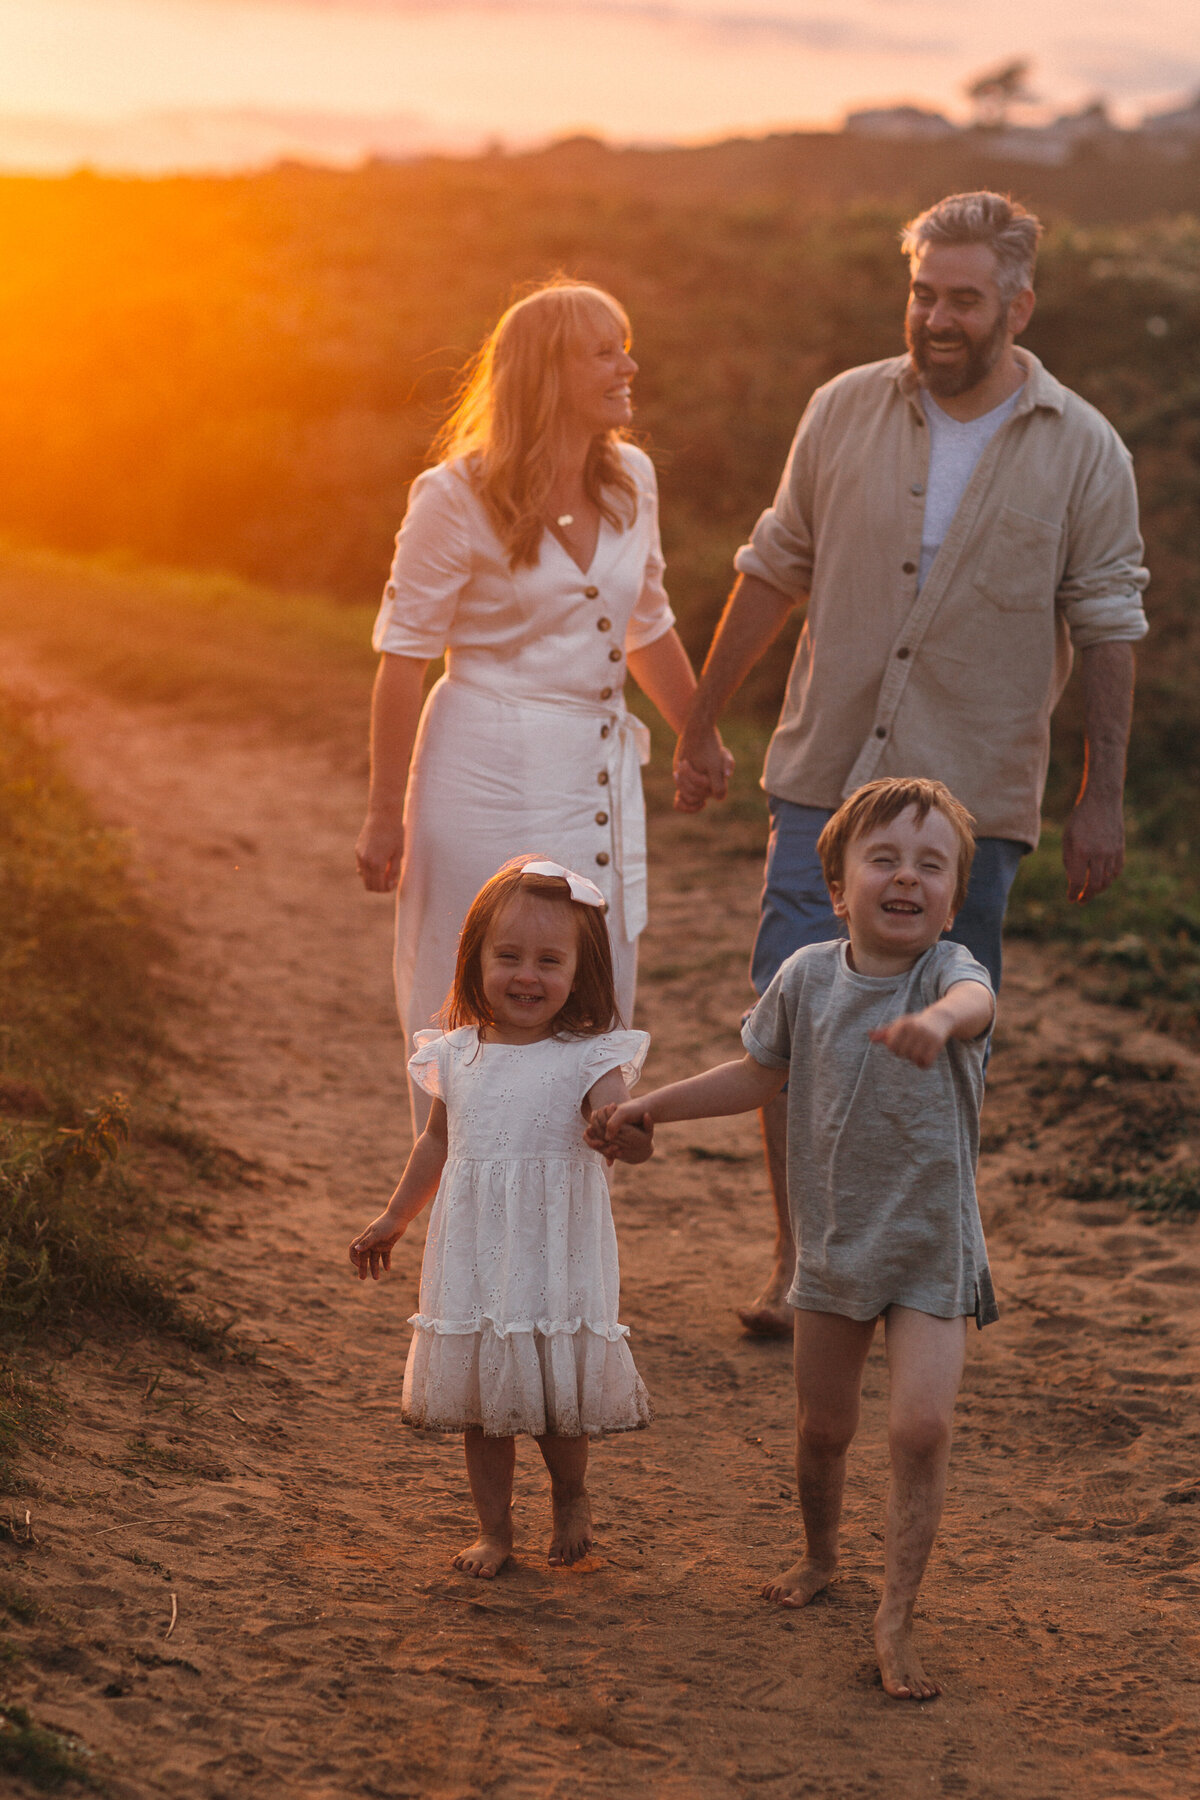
1004, 225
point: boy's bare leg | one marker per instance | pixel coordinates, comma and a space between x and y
567, 1459
830, 1352
490, 1464
925, 1362
770, 1315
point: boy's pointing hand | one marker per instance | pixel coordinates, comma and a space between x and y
917, 1037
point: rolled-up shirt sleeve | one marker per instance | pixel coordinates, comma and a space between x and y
652, 617
1100, 594
780, 551
431, 567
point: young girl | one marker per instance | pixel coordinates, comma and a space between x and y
517, 1330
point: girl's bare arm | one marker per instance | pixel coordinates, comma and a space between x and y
371, 1251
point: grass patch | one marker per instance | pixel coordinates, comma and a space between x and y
78, 999
1170, 1194
46, 1758
78, 947
1139, 943
212, 647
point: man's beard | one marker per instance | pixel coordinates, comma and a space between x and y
943, 381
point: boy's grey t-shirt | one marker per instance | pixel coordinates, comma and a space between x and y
881, 1155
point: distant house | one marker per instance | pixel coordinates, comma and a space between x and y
908, 122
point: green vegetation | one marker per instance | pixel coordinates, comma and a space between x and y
46, 1758
77, 997
252, 371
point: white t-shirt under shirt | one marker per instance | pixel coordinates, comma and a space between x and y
955, 447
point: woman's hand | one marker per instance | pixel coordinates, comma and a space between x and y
379, 854
371, 1251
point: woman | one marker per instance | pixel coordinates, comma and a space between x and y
531, 556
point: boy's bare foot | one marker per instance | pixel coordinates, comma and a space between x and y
485, 1557
801, 1583
572, 1537
900, 1667
769, 1316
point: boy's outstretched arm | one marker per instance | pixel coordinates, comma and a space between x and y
734, 1087
371, 1251
964, 1011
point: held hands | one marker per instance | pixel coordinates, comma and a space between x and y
371, 1251
621, 1133
918, 1037
703, 767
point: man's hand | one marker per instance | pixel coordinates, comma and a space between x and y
379, 853
1093, 846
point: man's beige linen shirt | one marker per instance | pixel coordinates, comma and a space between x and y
956, 681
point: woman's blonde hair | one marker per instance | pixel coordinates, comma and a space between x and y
506, 421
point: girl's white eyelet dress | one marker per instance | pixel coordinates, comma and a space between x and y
517, 1330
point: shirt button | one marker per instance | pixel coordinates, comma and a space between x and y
602, 818
909, 568
606, 693
602, 857
602, 778
603, 624
902, 654
881, 731
390, 591
918, 487
614, 654
604, 730
591, 593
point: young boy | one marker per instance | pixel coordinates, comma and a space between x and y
881, 1041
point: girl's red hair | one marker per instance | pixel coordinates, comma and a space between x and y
591, 1007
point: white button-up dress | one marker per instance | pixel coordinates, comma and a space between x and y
525, 743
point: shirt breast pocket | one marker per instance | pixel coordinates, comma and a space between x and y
1018, 569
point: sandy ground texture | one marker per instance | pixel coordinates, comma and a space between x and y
324, 1647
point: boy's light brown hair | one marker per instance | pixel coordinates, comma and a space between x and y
877, 804
591, 1007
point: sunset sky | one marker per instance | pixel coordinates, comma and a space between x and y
155, 84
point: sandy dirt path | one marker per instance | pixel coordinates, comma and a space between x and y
324, 1647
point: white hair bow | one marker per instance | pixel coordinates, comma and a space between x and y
583, 890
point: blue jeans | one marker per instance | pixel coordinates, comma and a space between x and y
795, 901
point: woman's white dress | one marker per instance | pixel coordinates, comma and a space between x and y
525, 743
517, 1329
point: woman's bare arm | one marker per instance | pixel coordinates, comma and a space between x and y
395, 713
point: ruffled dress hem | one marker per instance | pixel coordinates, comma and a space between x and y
515, 1380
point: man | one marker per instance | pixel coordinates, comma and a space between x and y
956, 523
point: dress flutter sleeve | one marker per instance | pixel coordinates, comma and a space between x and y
430, 569
623, 1050
425, 1064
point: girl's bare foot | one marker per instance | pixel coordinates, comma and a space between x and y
900, 1667
486, 1556
801, 1583
572, 1537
